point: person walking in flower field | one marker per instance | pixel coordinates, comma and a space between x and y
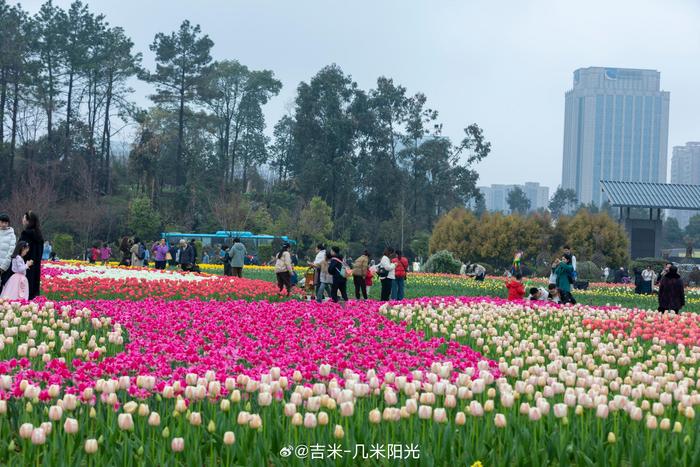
105, 253
160, 253
359, 275
671, 293
284, 269
339, 270
237, 253
17, 287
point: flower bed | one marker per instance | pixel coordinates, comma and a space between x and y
61, 281
196, 383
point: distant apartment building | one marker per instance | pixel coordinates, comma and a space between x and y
685, 169
615, 128
496, 196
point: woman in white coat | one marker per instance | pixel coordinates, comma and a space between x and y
386, 273
7, 246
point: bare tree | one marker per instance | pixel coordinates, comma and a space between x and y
33, 193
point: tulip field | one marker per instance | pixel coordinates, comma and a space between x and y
139, 367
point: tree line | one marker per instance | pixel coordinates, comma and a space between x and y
371, 167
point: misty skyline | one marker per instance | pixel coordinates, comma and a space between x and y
505, 69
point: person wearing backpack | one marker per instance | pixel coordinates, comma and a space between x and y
401, 268
138, 253
339, 270
359, 275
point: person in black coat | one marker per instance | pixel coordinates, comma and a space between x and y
340, 281
671, 294
32, 235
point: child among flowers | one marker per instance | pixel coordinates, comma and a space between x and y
17, 287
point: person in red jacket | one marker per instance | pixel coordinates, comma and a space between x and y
516, 290
399, 285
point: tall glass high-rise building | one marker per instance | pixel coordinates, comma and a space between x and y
685, 169
615, 128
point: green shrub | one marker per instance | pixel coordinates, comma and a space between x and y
442, 262
657, 264
265, 252
588, 271
63, 245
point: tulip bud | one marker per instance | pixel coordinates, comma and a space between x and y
347, 409
154, 419
177, 444
322, 418
534, 414
297, 419
689, 413
665, 424
38, 436
166, 432
611, 438
211, 427
195, 419
143, 410
255, 422
125, 422
91, 446
25, 431
651, 422
338, 432
70, 426
229, 438
130, 407
55, 413
310, 420
500, 420
375, 416
460, 418
225, 405
677, 427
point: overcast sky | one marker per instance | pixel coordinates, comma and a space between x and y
502, 64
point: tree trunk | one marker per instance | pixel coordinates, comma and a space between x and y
180, 179
49, 109
66, 149
13, 137
3, 99
105, 148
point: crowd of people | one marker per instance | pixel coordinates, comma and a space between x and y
20, 268
332, 271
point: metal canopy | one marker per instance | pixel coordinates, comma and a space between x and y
652, 195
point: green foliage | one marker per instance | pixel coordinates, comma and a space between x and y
265, 252
657, 264
518, 200
442, 262
420, 245
588, 271
495, 237
692, 231
143, 220
315, 221
63, 245
672, 234
562, 202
